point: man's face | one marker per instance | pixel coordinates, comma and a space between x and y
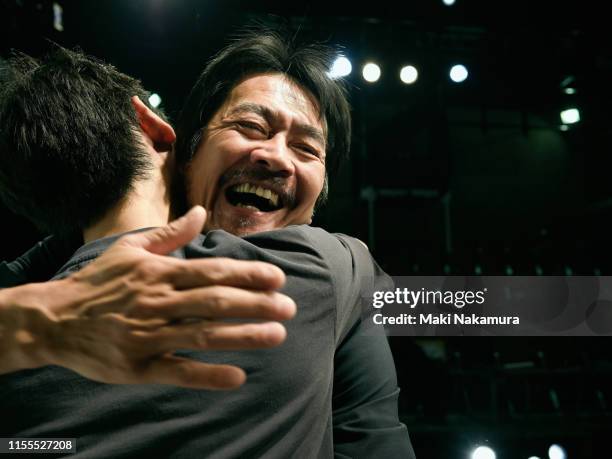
261, 162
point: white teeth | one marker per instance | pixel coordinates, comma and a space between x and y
247, 207
259, 191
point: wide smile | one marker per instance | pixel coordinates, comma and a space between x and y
256, 197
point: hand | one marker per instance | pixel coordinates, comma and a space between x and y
120, 318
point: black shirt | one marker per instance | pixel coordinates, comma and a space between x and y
329, 389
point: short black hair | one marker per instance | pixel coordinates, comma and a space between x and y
259, 50
68, 144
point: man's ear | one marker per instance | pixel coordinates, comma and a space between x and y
161, 133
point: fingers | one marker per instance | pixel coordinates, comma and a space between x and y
229, 302
217, 303
226, 271
158, 290
176, 234
208, 335
178, 371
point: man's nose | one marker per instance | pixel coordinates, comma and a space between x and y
274, 155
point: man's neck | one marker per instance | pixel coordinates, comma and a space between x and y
147, 205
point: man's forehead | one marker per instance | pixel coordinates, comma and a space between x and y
277, 94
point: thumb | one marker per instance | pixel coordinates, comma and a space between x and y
175, 234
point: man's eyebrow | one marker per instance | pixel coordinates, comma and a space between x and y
249, 107
312, 132
263, 111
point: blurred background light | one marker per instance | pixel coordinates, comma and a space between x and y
154, 100
483, 452
556, 452
570, 116
341, 67
371, 72
458, 73
409, 74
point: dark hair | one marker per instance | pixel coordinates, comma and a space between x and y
68, 144
257, 51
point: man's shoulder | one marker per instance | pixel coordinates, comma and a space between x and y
319, 237
40, 262
12, 274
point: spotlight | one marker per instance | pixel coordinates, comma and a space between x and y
341, 67
409, 74
58, 14
448, 2
154, 100
458, 73
569, 91
371, 72
570, 116
556, 452
483, 452
533, 457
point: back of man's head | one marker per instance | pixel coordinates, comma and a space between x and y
258, 51
69, 148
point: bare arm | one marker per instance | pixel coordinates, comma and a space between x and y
120, 318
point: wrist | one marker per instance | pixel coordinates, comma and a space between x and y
26, 325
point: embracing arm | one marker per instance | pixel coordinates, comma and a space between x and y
120, 319
365, 392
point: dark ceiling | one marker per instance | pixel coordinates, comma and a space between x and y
492, 143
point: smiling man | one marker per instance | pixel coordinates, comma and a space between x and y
261, 162
260, 132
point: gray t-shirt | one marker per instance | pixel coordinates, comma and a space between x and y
329, 390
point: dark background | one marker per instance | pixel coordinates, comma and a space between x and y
444, 178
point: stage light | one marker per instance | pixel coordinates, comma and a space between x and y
570, 116
154, 100
458, 73
483, 452
556, 452
371, 72
448, 2
409, 74
533, 457
567, 84
58, 17
341, 67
